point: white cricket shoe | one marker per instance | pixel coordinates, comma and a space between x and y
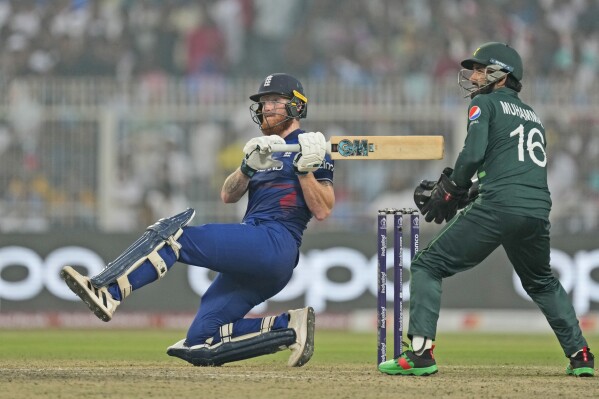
98, 300
303, 322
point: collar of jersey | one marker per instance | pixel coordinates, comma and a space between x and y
292, 137
508, 91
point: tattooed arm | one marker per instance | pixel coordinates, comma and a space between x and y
234, 187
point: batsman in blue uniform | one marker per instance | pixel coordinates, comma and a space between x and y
254, 259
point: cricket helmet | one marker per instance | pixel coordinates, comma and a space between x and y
286, 86
500, 54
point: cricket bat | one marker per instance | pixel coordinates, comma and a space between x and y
377, 147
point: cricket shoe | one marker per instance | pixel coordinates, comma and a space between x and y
582, 364
409, 363
98, 300
302, 321
181, 350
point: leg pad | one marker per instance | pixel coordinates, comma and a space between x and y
238, 349
164, 231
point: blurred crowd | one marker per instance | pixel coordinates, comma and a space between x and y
353, 40
50, 171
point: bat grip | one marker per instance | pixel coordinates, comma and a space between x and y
284, 148
292, 147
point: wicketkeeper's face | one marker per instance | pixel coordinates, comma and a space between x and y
479, 75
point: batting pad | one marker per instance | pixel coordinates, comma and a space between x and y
164, 231
236, 349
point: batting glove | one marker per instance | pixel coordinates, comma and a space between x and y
258, 155
312, 152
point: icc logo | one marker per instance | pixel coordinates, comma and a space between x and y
416, 222
383, 223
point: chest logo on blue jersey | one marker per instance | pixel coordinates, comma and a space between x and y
474, 113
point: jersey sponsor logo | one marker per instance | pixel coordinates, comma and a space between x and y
327, 166
474, 113
275, 168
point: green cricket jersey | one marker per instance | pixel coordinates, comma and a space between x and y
505, 146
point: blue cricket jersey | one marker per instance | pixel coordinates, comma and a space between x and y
275, 194
255, 259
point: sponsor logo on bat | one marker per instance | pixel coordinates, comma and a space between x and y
354, 148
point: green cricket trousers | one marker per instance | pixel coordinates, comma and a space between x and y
467, 240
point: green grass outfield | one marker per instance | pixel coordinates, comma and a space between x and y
133, 364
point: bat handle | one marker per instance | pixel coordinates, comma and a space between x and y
292, 147
284, 148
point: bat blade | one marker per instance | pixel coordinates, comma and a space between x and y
386, 147
378, 147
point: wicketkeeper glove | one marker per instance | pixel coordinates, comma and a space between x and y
422, 193
444, 200
471, 197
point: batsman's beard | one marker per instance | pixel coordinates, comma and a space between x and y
277, 128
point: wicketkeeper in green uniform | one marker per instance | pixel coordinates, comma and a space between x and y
505, 148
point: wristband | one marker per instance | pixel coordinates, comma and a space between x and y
297, 172
295, 159
246, 169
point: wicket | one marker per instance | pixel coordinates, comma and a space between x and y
398, 276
